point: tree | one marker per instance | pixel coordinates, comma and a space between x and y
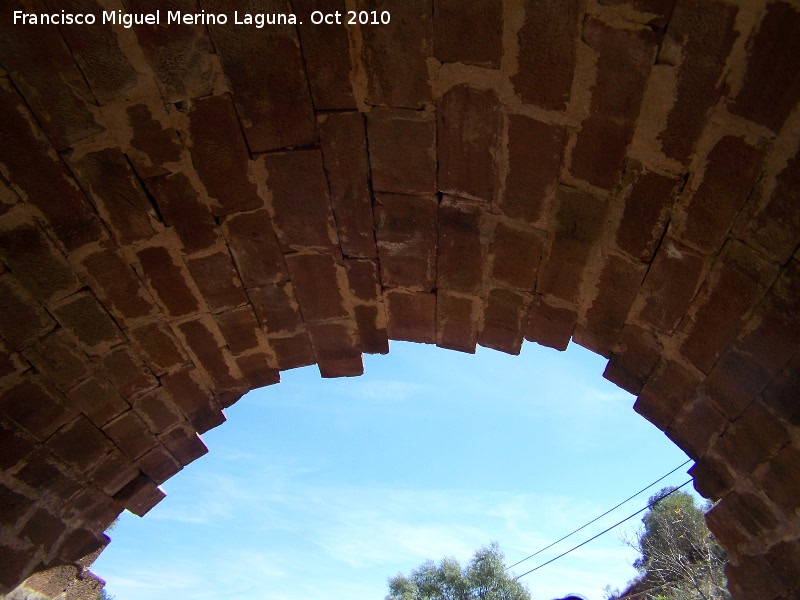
679, 557
484, 578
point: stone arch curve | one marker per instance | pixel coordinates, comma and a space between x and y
188, 209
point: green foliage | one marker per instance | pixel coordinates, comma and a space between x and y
679, 557
103, 595
484, 578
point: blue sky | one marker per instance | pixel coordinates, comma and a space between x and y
319, 489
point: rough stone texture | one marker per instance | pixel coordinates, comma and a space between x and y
187, 211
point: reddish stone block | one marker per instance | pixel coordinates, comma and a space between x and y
293, 352
140, 495
402, 151
753, 577
85, 318
127, 372
80, 543
157, 410
257, 370
46, 474
184, 444
228, 398
300, 200
93, 508
550, 325
648, 198
666, 392
152, 144
116, 285
344, 148
98, 400
15, 446
202, 341
535, 151
725, 522
276, 308
194, 399
272, 116
773, 223
371, 321
700, 36
755, 436
255, 248
457, 322
239, 327
784, 558
411, 317
108, 179
22, 319
42, 530
735, 285
397, 56
712, 479
696, 427
468, 32
625, 57
35, 171
35, 407
158, 464
131, 435
516, 252
771, 85
326, 54
781, 480
406, 234
782, 393
15, 566
180, 207
318, 280
14, 506
36, 263
461, 253
80, 444
337, 349
43, 68
468, 125
670, 285
113, 472
168, 281
734, 381
158, 347
730, 174
364, 279
58, 359
546, 60
504, 320
218, 281
179, 56
579, 219
220, 155
634, 357
617, 288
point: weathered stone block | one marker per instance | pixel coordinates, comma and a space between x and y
461, 251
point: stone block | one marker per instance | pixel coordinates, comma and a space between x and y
666, 392
516, 252
397, 56
461, 251
36, 407
116, 284
547, 53
343, 137
113, 472
411, 317
696, 427
194, 399
320, 284
272, 116
257, 370
140, 495
158, 464
781, 480
153, 144
15, 565
184, 444
157, 409
168, 280
755, 436
85, 318
504, 316
535, 151
49, 476
57, 357
130, 434
15, 446
734, 381
406, 234
220, 155
158, 347
371, 321
22, 319
782, 393
16, 507
301, 203
43, 530
251, 239
293, 351
457, 321
337, 348
80, 444
402, 151
180, 205
364, 279
239, 327
204, 343
550, 325
128, 373
276, 308
218, 281
712, 479
98, 400
633, 359
468, 32
468, 125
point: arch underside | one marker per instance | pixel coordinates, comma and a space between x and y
186, 211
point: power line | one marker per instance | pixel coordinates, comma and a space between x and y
603, 532
598, 518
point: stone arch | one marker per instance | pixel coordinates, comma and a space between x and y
187, 210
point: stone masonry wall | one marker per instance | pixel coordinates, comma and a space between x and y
188, 210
